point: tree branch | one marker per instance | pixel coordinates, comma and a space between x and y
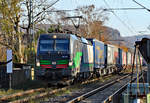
6, 45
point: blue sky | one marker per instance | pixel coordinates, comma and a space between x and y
133, 20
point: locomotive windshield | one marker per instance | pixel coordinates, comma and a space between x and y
62, 45
46, 45
54, 45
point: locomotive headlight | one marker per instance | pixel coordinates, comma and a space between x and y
54, 36
38, 63
70, 63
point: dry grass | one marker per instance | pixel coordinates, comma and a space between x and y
8, 92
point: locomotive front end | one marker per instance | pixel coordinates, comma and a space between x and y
53, 57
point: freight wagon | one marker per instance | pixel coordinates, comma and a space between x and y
99, 54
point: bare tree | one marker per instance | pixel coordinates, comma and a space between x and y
92, 22
34, 12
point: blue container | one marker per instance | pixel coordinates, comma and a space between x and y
98, 52
120, 56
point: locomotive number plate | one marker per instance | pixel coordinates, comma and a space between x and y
54, 63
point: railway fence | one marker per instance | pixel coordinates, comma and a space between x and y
3, 77
21, 73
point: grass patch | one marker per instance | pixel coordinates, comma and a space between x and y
105, 78
128, 70
21, 97
62, 92
8, 92
23, 87
29, 95
67, 92
40, 100
46, 98
31, 101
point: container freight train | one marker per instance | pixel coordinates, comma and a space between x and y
64, 58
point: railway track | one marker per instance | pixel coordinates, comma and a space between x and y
98, 95
79, 90
89, 94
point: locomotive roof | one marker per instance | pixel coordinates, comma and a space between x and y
58, 35
65, 36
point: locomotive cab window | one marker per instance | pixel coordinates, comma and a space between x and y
62, 45
46, 45
54, 45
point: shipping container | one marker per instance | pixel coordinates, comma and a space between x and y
141, 60
98, 53
129, 58
120, 57
110, 54
113, 55
116, 55
124, 58
136, 60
